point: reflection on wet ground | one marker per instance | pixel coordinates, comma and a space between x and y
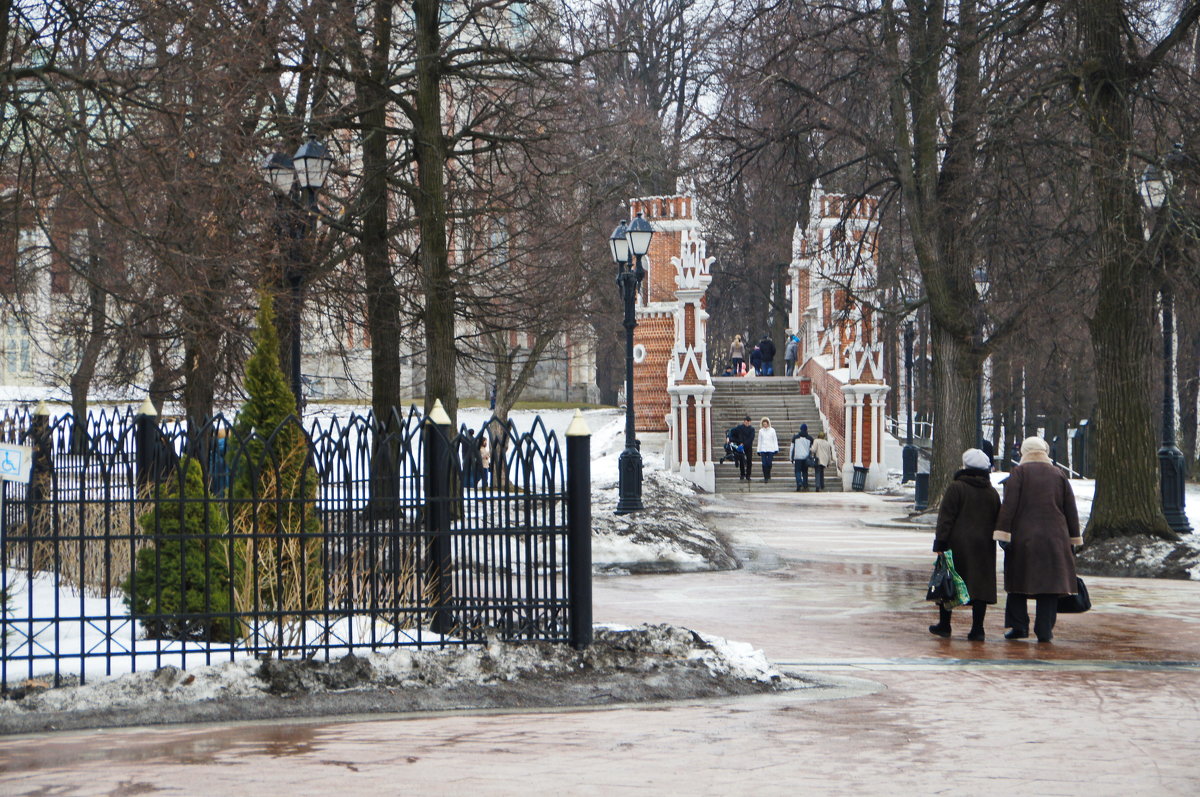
1111, 707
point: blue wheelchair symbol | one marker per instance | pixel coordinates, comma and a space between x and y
7, 465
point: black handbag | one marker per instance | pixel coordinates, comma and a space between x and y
941, 583
1078, 603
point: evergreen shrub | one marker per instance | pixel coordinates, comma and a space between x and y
180, 584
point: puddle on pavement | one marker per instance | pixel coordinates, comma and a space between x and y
193, 746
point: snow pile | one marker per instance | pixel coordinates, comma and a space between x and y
1142, 557
670, 536
644, 651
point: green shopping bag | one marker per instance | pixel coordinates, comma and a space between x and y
961, 596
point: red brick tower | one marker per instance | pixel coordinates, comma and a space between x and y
673, 217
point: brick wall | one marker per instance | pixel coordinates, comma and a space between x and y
833, 402
651, 403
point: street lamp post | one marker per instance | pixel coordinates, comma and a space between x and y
909, 459
295, 181
1155, 190
626, 240
982, 283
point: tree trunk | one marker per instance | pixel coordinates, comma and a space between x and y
954, 366
81, 380
383, 300
431, 206
1127, 501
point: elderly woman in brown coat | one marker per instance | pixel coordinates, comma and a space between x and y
965, 522
1038, 524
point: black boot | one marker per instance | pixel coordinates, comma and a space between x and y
978, 610
942, 628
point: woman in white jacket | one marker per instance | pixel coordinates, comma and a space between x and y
768, 447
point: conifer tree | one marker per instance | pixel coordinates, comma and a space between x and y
180, 583
274, 490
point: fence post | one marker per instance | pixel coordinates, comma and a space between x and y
579, 531
437, 513
145, 439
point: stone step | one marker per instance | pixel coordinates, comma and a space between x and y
777, 398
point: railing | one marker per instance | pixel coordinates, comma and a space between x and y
898, 428
143, 545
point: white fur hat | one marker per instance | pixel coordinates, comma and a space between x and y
974, 458
1032, 444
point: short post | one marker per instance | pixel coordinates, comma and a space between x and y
921, 492
579, 531
1082, 454
438, 462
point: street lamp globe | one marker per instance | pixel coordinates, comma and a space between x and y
639, 234
618, 242
313, 163
280, 171
1153, 186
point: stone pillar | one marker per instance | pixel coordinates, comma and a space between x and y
689, 383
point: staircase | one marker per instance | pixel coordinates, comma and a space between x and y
778, 398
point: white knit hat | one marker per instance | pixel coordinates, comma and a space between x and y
974, 458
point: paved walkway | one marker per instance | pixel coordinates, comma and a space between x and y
1112, 707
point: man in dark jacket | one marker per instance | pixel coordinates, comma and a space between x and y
741, 438
801, 451
767, 347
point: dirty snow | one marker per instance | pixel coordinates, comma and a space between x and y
644, 649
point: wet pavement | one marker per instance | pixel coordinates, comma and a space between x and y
1111, 707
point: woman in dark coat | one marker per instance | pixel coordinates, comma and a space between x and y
1037, 526
965, 523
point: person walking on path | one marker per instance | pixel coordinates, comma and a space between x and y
824, 456
767, 348
790, 352
802, 443
965, 523
756, 361
741, 437
768, 447
1037, 527
737, 354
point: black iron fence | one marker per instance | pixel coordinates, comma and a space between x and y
138, 544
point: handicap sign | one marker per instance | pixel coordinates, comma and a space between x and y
15, 462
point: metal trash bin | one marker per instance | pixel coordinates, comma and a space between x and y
860, 479
921, 492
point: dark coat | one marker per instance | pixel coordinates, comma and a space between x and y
767, 347
965, 523
743, 435
1040, 522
